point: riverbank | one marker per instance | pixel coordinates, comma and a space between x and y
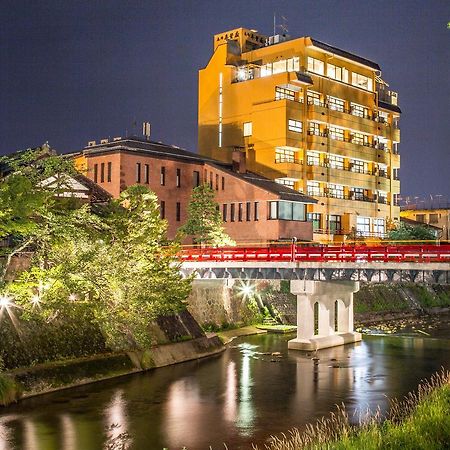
54, 376
420, 421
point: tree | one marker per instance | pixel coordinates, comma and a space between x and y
25, 201
116, 262
405, 232
204, 222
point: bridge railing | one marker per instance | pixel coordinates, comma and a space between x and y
297, 253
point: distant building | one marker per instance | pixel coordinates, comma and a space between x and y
310, 116
254, 208
429, 213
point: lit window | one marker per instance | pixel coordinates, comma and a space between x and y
146, 174
248, 129
313, 158
360, 139
313, 188
358, 193
359, 110
178, 179
336, 162
335, 190
283, 93
279, 66
359, 166
335, 103
293, 64
337, 73
316, 66
284, 155
314, 128
295, 125
379, 227
313, 98
382, 197
361, 81
363, 226
336, 133
285, 182
163, 176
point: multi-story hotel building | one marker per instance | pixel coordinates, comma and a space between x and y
254, 209
310, 116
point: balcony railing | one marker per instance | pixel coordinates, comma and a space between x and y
326, 134
287, 159
379, 173
363, 115
351, 196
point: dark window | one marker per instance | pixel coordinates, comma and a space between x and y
196, 178
248, 215
224, 212
163, 176
102, 172
163, 209
334, 223
232, 212
211, 180
256, 211
109, 176
178, 177
419, 217
223, 183
178, 212
138, 172
434, 218
96, 172
146, 174
217, 182
240, 211
315, 218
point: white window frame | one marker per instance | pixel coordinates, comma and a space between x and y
316, 65
248, 129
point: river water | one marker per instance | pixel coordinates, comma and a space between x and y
241, 396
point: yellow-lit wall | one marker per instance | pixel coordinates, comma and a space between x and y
254, 101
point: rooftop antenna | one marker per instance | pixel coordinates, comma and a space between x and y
284, 26
274, 24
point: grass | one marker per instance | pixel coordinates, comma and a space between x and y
9, 390
421, 421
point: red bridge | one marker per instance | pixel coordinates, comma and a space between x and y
421, 253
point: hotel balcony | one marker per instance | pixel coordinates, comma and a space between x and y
348, 149
322, 112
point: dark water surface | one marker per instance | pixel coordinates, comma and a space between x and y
239, 397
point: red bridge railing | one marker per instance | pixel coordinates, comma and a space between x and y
296, 253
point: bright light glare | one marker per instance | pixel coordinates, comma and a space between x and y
72, 297
5, 301
246, 289
35, 300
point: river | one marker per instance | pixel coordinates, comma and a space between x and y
241, 396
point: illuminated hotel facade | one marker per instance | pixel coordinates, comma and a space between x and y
310, 116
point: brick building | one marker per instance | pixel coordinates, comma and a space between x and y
254, 208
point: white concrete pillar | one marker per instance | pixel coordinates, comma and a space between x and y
325, 293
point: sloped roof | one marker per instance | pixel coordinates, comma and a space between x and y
158, 149
345, 54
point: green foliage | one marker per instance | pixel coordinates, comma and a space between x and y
379, 297
404, 232
113, 263
204, 222
9, 390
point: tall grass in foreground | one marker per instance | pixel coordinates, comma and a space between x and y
420, 421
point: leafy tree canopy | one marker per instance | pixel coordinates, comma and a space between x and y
204, 222
405, 232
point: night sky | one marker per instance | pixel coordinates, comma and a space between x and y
72, 71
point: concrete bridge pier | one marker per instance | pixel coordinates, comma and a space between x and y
324, 314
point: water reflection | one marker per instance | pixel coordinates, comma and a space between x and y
116, 421
239, 397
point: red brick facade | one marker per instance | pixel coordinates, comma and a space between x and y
172, 173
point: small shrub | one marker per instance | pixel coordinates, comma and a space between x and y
9, 390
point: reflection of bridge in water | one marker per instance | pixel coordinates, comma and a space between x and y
323, 279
